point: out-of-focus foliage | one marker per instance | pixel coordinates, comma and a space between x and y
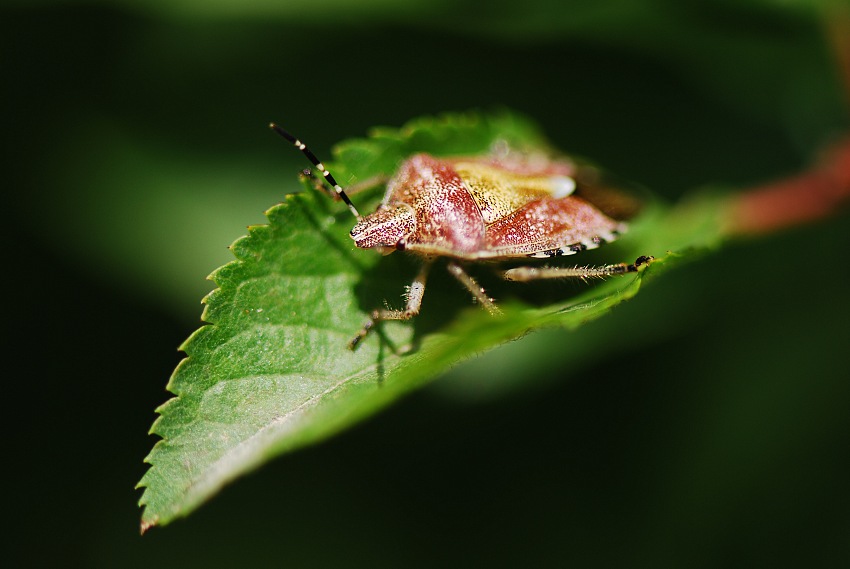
701, 422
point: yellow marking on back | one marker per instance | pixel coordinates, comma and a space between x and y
498, 193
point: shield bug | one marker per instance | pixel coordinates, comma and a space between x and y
502, 206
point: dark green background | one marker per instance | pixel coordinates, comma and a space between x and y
707, 426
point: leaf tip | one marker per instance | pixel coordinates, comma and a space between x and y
145, 525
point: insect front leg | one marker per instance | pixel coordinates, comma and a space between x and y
476, 289
524, 274
319, 184
415, 293
367, 184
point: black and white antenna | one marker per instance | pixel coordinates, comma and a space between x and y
321, 167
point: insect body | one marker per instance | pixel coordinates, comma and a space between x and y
497, 207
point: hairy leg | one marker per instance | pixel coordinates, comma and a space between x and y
415, 293
524, 274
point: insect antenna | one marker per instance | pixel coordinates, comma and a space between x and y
325, 174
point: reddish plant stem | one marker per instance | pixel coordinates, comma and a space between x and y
822, 189
812, 195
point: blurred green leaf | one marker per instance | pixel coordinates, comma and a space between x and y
272, 372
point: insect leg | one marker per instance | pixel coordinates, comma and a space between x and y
318, 164
317, 183
366, 184
524, 274
472, 285
414, 301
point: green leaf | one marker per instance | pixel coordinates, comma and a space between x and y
272, 372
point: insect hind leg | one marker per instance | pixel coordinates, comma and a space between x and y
525, 274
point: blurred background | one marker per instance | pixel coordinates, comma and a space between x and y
703, 424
